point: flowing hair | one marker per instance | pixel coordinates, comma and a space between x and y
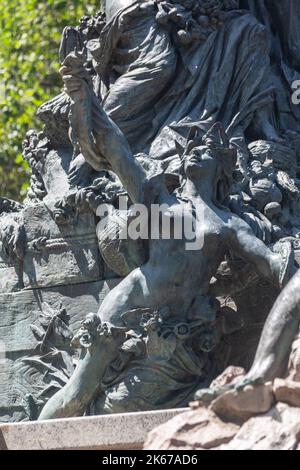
217, 143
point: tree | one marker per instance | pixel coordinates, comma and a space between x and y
30, 32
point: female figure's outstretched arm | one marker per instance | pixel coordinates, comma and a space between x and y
276, 266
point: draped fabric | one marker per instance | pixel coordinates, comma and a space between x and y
154, 88
136, 62
166, 376
224, 79
282, 19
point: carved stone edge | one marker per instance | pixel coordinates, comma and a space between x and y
126, 431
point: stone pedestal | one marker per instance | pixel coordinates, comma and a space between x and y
126, 431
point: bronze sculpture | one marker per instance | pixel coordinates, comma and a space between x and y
152, 286
167, 102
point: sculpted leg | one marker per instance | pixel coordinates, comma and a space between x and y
75, 396
278, 334
99, 351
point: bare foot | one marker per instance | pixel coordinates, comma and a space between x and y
246, 381
207, 395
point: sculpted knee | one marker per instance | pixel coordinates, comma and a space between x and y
95, 335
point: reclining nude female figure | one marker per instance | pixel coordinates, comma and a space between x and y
173, 276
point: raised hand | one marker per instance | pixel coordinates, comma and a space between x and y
76, 79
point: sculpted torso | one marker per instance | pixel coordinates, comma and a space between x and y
173, 270
174, 276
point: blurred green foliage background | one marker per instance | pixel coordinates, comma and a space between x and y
30, 32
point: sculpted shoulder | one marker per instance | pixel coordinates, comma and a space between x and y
234, 227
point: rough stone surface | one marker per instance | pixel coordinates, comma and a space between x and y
264, 427
199, 429
230, 375
287, 391
240, 405
277, 430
